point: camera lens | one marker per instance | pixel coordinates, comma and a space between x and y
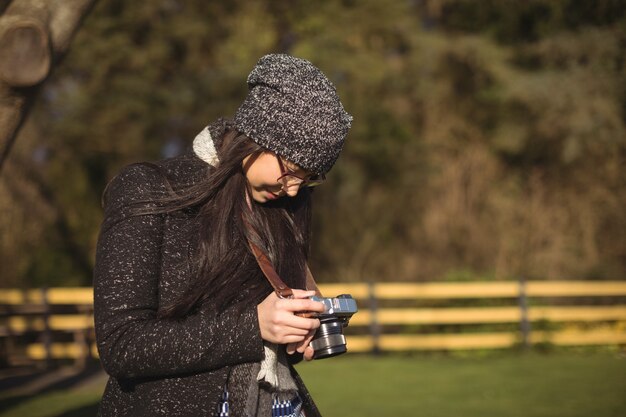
329, 340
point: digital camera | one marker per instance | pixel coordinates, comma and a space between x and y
329, 340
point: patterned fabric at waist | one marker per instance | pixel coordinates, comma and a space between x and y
290, 408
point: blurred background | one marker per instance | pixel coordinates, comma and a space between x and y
489, 137
488, 144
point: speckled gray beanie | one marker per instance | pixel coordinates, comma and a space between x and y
293, 110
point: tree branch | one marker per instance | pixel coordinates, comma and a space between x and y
34, 36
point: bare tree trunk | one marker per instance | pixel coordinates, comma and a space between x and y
34, 36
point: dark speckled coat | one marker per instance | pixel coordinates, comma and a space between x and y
162, 367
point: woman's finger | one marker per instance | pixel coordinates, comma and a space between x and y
301, 346
291, 339
308, 353
300, 304
291, 331
302, 293
290, 320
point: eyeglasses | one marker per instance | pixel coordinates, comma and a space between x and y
289, 178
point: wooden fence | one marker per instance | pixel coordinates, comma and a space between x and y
48, 324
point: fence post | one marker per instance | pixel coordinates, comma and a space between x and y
47, 334
81, 338
524, 321
374, 326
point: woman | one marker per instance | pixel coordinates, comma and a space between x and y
186, 322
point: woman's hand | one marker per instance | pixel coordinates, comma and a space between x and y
279, 324
303, 347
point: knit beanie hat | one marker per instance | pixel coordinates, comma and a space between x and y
293, 110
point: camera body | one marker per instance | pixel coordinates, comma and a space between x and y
329, 340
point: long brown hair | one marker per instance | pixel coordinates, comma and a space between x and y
225, 271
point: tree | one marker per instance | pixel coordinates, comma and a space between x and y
489, 136
34, 36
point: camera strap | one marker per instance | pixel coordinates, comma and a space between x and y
281, 289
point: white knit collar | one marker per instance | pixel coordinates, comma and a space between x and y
204, 147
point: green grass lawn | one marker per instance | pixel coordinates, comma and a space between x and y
507, 385
499, 386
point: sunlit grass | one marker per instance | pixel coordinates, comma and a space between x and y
505, 385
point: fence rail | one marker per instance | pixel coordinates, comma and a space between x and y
48, 324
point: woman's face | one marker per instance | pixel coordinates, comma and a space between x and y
263, 171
